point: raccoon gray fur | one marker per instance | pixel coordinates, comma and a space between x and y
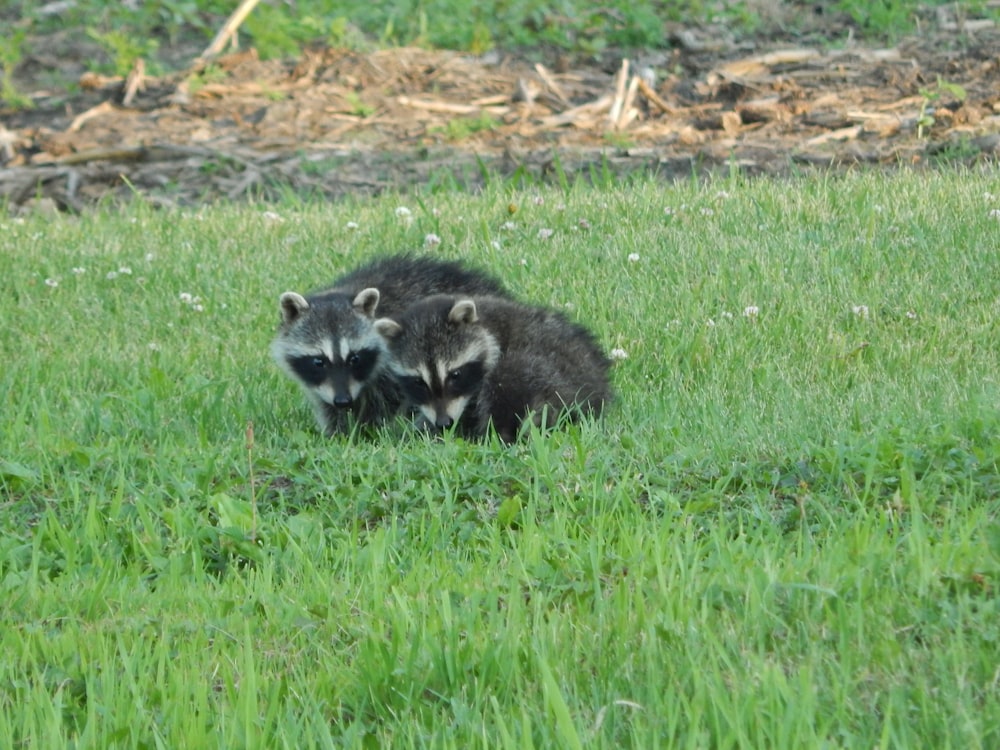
327, 341
473, 362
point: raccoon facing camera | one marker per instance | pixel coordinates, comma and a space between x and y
473, 362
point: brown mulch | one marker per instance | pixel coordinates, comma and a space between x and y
337, 122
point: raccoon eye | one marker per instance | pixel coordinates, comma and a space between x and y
353, 359
318, 362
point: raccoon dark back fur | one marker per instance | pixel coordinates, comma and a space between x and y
327, 343
486, 360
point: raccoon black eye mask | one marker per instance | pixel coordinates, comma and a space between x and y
485, 362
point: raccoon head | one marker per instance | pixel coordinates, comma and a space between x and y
441, 357
329, 345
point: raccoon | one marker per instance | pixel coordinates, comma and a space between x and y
470, 362
327, 341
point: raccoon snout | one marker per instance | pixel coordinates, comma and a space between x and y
443, 421
343, 401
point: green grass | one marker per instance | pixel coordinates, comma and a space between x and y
783, 535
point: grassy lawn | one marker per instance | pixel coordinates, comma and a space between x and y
784, 534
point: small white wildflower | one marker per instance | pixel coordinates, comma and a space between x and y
153, 346
750, 311
989, 197
508, 226
727, 315
495, 244
668, 211
722, 194
197, 308
878, 209
186, 298
435, 212
524, 261
860, 310
995, 213
633, 257
150, 257
271, 216
111, 275
52, 282
911, 315
19, 220
544, 234
404, 214
618, 354
569, 305
125, 271
133, 220
77, 270
710, 323
352, 225
432, 240
583, 224
707, 212
538, 200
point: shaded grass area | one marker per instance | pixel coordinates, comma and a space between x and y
784, 533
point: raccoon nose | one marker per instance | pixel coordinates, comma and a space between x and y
443, 421
342, 401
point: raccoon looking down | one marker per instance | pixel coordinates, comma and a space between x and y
470, 362
328, 344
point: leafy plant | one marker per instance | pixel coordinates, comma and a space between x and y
931, 95
11, 53
124, 48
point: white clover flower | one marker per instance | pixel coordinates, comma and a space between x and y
722, 194
110, 275
150, 257
860, 310
508, 226
727, 315
583, 224
618, 354
52, 282
710, 323
432, 240
538, 200
989, 197
495, 244
404, 214
125, 271
544, 234
911, 315
271, 216
77, 270
707, 212
524, 261
153, 346
197, 308
668, 211
569, 305
633, 257
352, 225
750, 311
435, 212
186, 298
995, 213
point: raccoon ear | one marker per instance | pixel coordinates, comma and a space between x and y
367, 301
292, 306
464, 311
388, 328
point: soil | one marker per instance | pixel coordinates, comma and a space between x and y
337, 122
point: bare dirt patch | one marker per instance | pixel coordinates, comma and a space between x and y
336, 122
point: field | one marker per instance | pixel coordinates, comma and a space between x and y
784, 534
